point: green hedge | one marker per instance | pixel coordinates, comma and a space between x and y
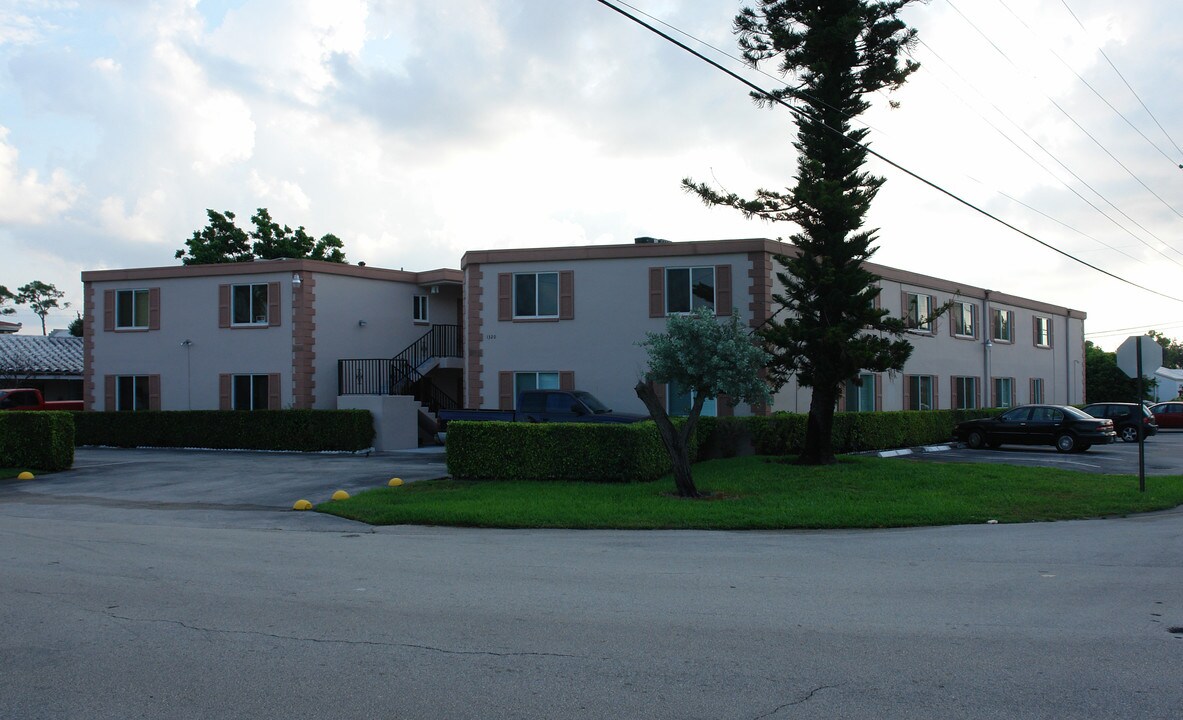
37, 440
784, 433
556, 451
302, 430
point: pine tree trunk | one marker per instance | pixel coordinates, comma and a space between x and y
675, 444
819, 428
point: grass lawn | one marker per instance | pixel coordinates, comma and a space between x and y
764, 493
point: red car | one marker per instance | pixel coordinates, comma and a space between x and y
1168, 414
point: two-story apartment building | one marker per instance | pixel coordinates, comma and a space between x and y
264, 335
575, 316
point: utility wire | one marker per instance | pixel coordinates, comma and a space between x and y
867, 149
1102, 98
1127, 83
1059, 162
1068, 115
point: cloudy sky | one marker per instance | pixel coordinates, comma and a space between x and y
416, 130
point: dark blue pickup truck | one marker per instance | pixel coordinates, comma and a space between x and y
548, 406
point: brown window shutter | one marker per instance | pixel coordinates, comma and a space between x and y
953, 321
659, 391
908, 392
567, 380
977, 392
875, 303
224, 390
154, 308
722, 290
504, 297
1014, 392
153, 392
567, 295
973, 312
724, 407
1050, 327
954, 399
273, 317
224, 307
274, 401
656, 292
932, 306
109, 391
936, 393
505, 391
109, 310
878, 392
904, 305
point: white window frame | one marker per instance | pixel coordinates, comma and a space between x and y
916, 396
137, 323
138, 383
710, 406
254, 378
963, 400
913, 320
419, 309
869, 381
1043, 332
537, 309
552, 382
995, 315
256, 315
959, 320
695, 303
1007, 399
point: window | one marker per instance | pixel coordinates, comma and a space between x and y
534, 381
918, 309
1037, 390
131, 309
248, 304
420, 312
965, 393
920, 392
964, 319
1043, 332
860, 395
1002, 326
679, 400
131, 393
536, 295
250, 392
688, 289
1004, 392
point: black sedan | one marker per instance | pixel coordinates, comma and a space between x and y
1065, 428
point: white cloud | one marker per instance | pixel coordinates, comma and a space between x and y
24, 197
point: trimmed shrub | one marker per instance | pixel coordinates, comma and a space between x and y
556, 451
37, 440
300, 430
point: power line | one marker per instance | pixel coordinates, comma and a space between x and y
1089, 85
1127, 83
868, 150
1068, 115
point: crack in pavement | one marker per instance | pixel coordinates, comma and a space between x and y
376, 643
808, 695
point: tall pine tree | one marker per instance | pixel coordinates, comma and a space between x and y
833, 52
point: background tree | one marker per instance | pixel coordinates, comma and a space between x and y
710, 358
222, 241
42, 298
273, 241
1172, 351
1105, 382
836, 51
6, 296
76, 327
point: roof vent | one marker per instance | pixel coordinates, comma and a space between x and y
648, 240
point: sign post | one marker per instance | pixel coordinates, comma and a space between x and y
1131, 355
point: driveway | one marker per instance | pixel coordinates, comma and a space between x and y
232, 488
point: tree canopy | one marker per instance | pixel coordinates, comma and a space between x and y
835, 52
6, 296
222, 241
699, 354
42, 298
1105, 382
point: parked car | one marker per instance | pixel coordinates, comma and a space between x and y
1064, 427
548, 406
1130, 419
1168, 414
31, 399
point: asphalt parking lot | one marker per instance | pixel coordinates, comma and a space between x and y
1164, 456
